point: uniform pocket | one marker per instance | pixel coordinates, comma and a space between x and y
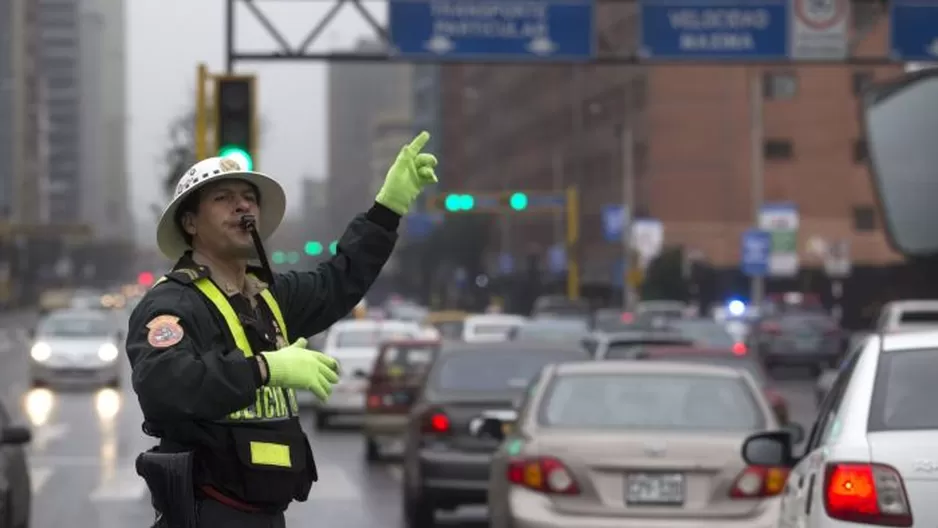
273, 464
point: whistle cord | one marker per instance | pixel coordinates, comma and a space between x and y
262, 256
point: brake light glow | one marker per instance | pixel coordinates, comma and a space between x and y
627, 317
757, 482
375, 401
739, 349
867, 494
543, 474
436, 423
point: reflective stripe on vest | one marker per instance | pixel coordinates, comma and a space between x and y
271, 403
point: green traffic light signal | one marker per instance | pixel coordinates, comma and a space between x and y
238, 154
313, 248
459, 202
518, 201
277, 257
333, 247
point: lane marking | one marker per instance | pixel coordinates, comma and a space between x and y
123, 486
38, 476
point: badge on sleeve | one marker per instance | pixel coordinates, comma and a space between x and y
165, 331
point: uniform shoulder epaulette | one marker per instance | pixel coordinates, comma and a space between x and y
187, 276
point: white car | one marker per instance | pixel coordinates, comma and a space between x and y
76, 347
490, 327
871, 458
355, 344
908, 315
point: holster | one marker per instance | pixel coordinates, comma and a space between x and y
170, 479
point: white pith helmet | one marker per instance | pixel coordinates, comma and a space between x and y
273, 201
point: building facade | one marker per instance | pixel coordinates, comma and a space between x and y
357, 93
511, 127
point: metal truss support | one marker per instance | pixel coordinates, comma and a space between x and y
607, 52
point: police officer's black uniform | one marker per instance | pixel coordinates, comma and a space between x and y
203, 396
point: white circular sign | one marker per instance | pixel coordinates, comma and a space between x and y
820, 14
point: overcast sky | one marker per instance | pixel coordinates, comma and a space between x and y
168, 38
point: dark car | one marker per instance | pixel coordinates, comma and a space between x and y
707, 333
798, 339
15, 491
445, 466
728, 358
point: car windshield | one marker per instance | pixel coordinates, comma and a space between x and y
905, 392
546, 329
471, 371
705, 333
669, 402
371, 337
753, 367
75, 326
919, 316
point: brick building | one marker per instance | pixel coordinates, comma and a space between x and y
513, 127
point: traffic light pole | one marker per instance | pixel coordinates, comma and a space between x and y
201, 113
573, 242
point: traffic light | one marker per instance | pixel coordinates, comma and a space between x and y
518, 201
459, 202
277, 257
313, 248
236, 118
333, 247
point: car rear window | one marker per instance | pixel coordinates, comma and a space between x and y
470, 371
905, 392
704, 333
753, 367
450, 329
918, 316
400, 360
636, 348
671, 402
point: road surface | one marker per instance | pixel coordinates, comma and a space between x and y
85, 442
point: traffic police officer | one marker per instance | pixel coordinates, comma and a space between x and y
213, 367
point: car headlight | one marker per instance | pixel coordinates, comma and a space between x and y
108, 352
41, 351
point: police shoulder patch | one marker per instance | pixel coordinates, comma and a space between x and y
165, 331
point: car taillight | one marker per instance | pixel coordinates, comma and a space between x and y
866, 494
375, 401
544, 474
756, 482
627, 317
436, 422
739, 349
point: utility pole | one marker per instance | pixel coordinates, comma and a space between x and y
628, 207
757, 131
201, 113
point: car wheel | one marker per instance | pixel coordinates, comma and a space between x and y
322, 421
372, 451
418, 512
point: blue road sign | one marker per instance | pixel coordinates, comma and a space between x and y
557, 259
755, 252
506, 263
913, 27
714, 29
492, 30
613, 221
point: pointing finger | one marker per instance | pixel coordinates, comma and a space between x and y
417, 144
427, 174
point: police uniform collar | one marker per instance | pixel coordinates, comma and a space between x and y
187, 270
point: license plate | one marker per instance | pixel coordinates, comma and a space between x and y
654, 488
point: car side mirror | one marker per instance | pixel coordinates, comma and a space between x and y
770, 448
15, 436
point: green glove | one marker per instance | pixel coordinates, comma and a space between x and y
296, 367
410, 173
